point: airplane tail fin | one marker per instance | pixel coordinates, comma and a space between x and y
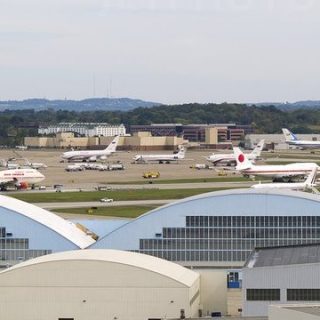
256, 152
289, 136
310, 182
242, 160
182, 152
112, 147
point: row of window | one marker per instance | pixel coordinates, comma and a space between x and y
21, 255
238, 233
216, 244
274, 294
249, 221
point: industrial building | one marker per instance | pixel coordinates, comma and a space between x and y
276, 141
28, 231
84, 129
214, 233
98, 285
226, 132
281, 275
139, 141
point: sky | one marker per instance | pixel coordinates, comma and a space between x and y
168, 51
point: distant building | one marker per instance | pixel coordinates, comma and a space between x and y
196, 132
282, 275
85, 129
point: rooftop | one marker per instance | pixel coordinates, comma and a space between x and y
285, 255
63, 227
141, 261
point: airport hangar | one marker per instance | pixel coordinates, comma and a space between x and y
214, 234
27, 231
98, 284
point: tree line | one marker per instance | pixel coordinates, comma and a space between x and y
16, 124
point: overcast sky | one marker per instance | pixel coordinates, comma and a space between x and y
169, 51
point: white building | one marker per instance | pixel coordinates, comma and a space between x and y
98, 285
281, 275
85, 129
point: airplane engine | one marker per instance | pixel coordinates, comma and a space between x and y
93, 158
103, 157
22, 185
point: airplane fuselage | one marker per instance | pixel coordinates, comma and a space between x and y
280, 171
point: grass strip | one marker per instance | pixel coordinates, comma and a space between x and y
119, 212
116, 195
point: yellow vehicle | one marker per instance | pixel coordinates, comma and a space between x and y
151, 175
222, 173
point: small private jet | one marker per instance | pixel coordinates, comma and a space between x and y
92, 155
161, 158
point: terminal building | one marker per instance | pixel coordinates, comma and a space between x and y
98, 285
27, 231
84, 129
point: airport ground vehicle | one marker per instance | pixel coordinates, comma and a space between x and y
151, 175
108, 200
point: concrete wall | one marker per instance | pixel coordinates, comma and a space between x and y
211, 135
213, 290
94, 290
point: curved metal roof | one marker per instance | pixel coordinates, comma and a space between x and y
216, 194
142, 261
61, 226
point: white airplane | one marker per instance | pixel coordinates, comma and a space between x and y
92, 155
286, 171
292, 140
230, 159
161, 158
19, 178
309, 183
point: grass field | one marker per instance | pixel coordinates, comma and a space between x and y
120, 212
116, 195
191, 180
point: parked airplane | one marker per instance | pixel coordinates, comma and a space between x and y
292, 140
92, 155
161, 158
230, 159
309, 183
282, 172
19, 178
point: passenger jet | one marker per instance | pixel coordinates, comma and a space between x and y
161, 158
308, 184
230, 159
92, 155
292, 140
19, 178
283, 172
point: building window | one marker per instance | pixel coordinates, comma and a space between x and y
263, 294
303, 294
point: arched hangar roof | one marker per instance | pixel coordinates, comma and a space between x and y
162, 267
61, 226
233, 202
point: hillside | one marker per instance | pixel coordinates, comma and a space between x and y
92, 104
